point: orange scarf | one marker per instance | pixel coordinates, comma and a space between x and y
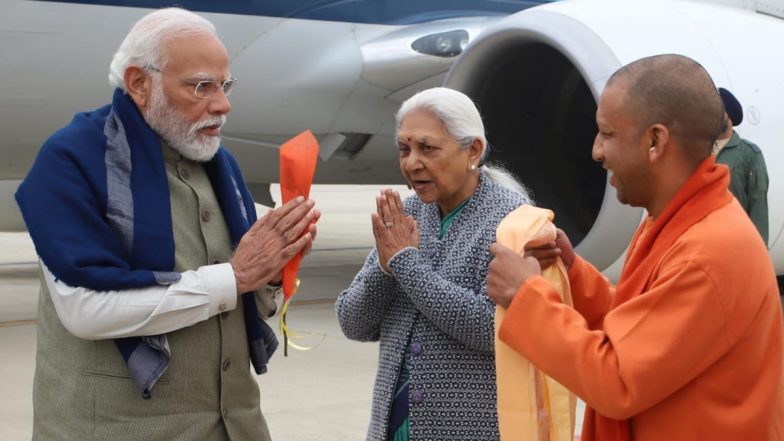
703, 193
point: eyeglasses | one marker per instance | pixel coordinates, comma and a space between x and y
206, 88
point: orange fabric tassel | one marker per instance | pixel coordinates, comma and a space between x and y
298, 157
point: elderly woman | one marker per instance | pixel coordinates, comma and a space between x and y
422, 290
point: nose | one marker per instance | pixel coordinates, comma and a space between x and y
413, 162
219, 103
597, 152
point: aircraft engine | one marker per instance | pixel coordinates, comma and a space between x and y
537, 75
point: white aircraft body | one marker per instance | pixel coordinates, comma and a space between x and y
341, 68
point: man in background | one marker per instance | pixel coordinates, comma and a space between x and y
748, 174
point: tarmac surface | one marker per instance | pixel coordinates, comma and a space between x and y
319, 394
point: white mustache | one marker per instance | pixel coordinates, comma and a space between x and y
215, 121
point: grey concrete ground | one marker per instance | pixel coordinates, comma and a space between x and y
322, 394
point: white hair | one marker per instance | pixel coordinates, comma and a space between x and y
463, 123
145, 43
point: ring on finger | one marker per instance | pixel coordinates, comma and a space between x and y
389, 224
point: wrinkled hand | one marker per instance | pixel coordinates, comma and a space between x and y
271, 242
507, 273
392, 229
548, 253
278, 279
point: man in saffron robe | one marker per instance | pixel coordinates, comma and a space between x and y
688, 345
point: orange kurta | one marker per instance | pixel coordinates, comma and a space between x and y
689, 348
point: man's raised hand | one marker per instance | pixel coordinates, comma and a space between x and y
271, 242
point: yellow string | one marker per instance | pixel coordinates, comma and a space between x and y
290, 334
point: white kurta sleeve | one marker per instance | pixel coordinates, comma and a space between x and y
95, 315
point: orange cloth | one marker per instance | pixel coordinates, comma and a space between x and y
298, 158
531, 406
690, 344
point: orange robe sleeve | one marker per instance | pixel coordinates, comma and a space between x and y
592, 293
614, 370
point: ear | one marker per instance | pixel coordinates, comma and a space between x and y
658, 137
475, 152
138, 84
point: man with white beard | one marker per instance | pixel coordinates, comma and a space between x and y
156, 275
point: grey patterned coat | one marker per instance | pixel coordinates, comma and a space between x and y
436, 306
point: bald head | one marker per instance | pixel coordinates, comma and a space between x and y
677, 92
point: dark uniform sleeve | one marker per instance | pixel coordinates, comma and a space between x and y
758, 192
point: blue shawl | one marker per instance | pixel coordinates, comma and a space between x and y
96, 204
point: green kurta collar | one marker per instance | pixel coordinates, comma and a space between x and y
450, 217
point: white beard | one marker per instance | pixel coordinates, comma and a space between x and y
170, 123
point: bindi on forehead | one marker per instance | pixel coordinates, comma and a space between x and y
421, 139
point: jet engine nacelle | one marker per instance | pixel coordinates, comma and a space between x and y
537, 75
